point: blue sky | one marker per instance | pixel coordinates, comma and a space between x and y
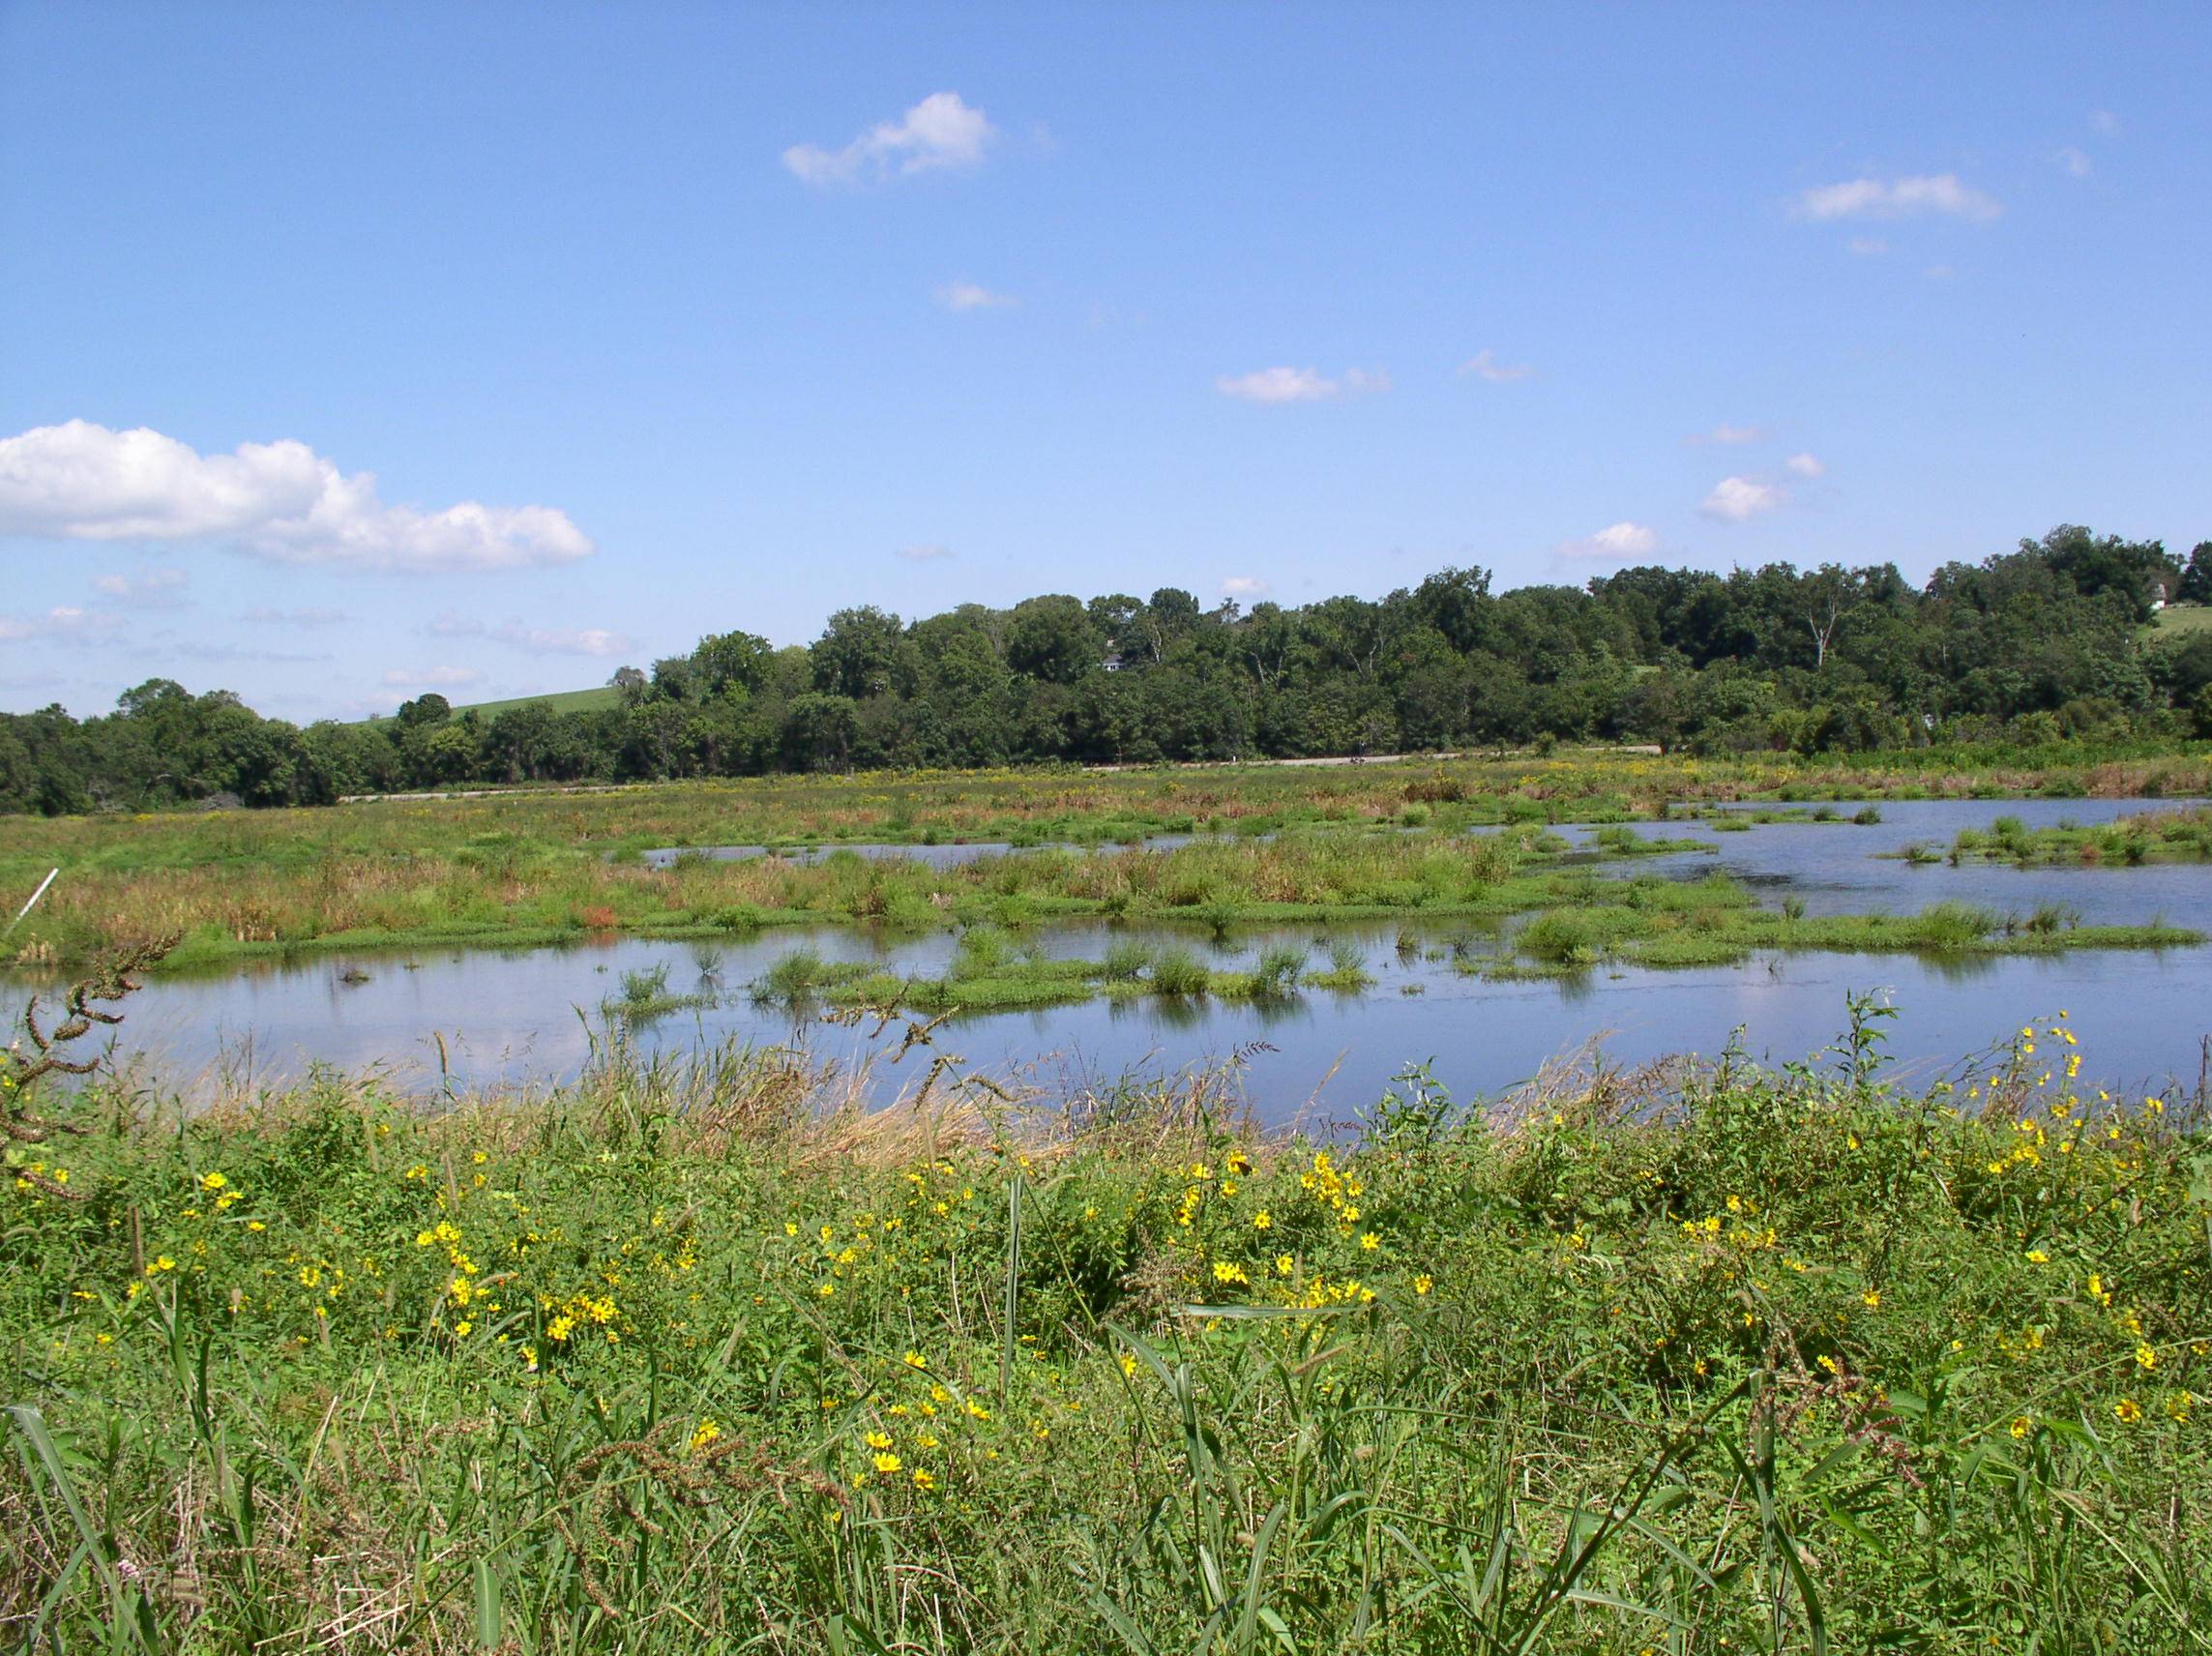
649, 320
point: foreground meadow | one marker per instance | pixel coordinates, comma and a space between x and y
697, 1358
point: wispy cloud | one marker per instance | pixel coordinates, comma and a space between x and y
2075, 163
599, 641
926, 553
65, 623
431, 678
971, 296
1738, 499
942, 131
309, 615
156, 589
1806, 465
279, 501
1484, 365
1728, 436
1619, 541
1897, 198
1300, 384
2105, 121
196, 650
1278, 385
1869, 247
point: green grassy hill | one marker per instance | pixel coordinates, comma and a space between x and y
2182, 618
560, 701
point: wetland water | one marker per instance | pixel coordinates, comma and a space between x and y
512, 1016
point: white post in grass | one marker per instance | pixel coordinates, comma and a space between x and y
33, 903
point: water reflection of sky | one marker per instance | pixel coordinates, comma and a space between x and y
513, 1015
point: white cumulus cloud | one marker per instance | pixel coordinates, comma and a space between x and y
1897, 198
942, 131
1244, 586
1618, 541
281, 501
1806, 465
1737, 499
1484, 365
972, 296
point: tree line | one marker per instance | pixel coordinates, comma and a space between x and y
2046, 642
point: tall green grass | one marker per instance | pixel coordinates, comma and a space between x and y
697, 1360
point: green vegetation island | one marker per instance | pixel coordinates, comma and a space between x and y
1466, 839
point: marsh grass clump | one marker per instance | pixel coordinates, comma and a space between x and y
1347, 969
645, 995
1178, 972
1947, 927
1280, 967
1126, 961
795, 974
984, 948
1563, 937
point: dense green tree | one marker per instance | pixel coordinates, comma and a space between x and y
862, 652
819, 732
1052, 639
429, 708
2196, 583
2031, 645
728, 661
